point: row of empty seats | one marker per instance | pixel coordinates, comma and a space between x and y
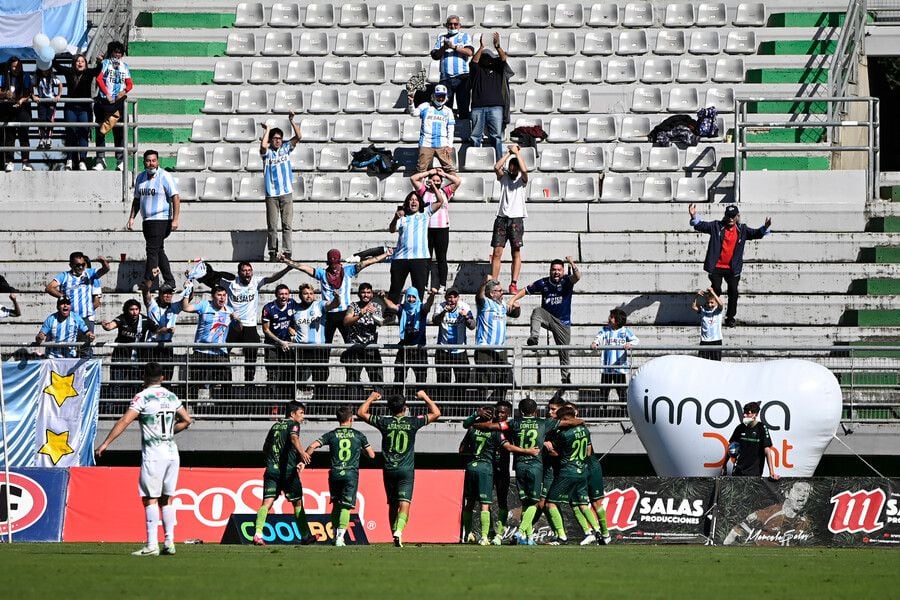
611, 188
516, 43
501, 15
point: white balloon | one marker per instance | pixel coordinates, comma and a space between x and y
40, 41
43, 65
59, 44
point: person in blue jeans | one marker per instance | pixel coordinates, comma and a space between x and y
79, 78
490, 93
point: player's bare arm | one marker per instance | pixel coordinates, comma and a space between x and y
364, 411
434, 413
118, 429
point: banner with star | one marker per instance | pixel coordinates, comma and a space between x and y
51, 412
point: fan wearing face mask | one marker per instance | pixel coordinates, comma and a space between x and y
454, 49
754, 445
436, 135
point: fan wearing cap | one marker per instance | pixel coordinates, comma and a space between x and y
63, 327
436, 134
725, 252
454, 48
490, 94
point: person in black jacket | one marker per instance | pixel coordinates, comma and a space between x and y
79, 78
725, 252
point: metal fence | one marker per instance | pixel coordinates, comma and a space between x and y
252, 381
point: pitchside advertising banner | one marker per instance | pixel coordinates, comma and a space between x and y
33, 502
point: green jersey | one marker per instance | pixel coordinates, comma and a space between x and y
345, 445
279, 449
398, 439
530, 432
572, 444
483, 446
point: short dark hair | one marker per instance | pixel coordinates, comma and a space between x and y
293, 406
396, 404
619, 316
556, 400
280, 287
752, 407
565, 412
513, 162
152, 371
77, 254
218, 288
150, 153
557, 261
115, 46
276, 131
343, 414
304, 286
243, 263
365, 286
527, 406
505, 403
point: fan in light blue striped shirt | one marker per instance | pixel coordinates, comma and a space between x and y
80, 284
490, 326
615, 360
155, 193
63, 327
438, 125
412, 238
453, 63
276, 153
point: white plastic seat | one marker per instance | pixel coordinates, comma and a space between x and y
580, 189
657, 189
544, 188
389, 15
360, 101
324, 101
538, 101
228, 71
471, 190
312, 43
426, 15
218, 101
704, 42
657, 70
240, 43
616, 188
300, 71
404, 69
729, 70
587, 71
253, 101
187, 187
349, 43
226, 158
370, 71
679, 15
568, 15
638, 14
254, 163
691, 189
242, 129
326, 189
284, 15
632, 42
683, 100
335, 158
634, 129
347, 130
562, 129
264, 72
621, 70
354, 15
551, 71
411, 128
362, 188
535, 15
646, 99
519, 67
712, 14
604, 14
415, 43
299, 187
319, 15
740, 42
392, 102
750, 14
561, 43
395, 188
434, 72
218, 188
575, 100
589, 159
336, 72
700, 158
382, 43
249, 14
251, 188
278, 43
601, 129
206, 129
554, 159
663, 158
626, 158
303, 158
720, 98
190, 158
465, 12
497, 15
597, 43
692, 70
521, 43
669, 43
384, 129
479, 159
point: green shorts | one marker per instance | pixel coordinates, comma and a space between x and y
595, 479
570, 486
479, 482
530, 479
276, 483
549, 476
343, 488
398, 484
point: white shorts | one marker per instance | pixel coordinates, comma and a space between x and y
158, 478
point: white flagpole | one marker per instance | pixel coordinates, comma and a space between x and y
5, 458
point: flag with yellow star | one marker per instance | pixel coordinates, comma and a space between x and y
51, 412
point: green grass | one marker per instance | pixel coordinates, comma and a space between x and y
213, 571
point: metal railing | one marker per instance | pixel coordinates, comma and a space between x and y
885, 12
113, 23
225, 389
845, 60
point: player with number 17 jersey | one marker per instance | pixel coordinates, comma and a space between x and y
156, 407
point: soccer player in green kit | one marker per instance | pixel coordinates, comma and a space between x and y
502, 411
345, 445
285, 459
398, 441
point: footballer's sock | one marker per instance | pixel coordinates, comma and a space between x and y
467, 523
152, 512
168, 519
344, 520
485, 524
581, 520
601, 517
400, 525
527, 525
538, 513
300, 516
591, 518
261, 519
557, 521
335, 516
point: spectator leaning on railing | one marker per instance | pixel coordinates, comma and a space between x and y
63, 327
81, 285
47, 92
79, 80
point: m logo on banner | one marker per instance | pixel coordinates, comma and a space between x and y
620, 506
854, 512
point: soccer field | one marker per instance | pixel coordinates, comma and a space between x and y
438, 571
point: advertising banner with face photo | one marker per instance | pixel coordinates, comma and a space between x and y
758, 512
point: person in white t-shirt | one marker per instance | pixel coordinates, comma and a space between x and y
710, 311
509, 225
